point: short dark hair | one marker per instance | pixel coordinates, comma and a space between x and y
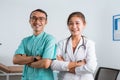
39, 10
78, 14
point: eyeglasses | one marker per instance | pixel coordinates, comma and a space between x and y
37, 18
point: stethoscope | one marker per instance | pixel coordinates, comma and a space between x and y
83, 43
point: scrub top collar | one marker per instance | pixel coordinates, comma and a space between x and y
38, 36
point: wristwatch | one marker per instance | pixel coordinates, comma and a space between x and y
35, 59
79, 61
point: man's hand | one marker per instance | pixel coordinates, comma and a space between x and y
37, 59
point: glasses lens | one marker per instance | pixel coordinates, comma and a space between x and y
38, 18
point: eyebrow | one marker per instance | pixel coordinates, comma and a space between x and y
75, 21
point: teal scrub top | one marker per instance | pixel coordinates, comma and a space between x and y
42, 45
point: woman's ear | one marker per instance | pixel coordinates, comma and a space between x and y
84, 26
29, 20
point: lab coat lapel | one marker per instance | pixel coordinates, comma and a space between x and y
70, 50
78, 46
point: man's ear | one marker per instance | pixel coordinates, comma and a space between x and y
46, 22
84, 25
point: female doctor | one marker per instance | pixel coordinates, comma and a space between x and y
76, 58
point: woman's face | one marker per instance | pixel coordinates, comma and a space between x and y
76, 25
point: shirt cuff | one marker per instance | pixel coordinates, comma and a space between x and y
65, 66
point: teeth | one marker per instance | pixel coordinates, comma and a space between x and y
37, 25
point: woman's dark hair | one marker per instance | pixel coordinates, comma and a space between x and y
78, 14
39, 10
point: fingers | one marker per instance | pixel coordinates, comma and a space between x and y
38, 57
60, 58
81, 62
72, 70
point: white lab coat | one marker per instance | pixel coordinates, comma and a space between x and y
81, 73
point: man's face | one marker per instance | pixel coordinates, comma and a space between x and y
38, 21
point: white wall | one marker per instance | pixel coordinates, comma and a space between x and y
14, 25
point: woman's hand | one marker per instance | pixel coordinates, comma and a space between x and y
73, 65
81, 62
60, 58
72, 70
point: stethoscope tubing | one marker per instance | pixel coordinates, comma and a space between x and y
83, 43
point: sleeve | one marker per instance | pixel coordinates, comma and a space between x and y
59, 65
50, 49
21, 48
91, 60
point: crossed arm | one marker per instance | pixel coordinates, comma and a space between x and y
29, 60
70, 65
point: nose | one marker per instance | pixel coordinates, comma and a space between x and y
37, 20
74, 25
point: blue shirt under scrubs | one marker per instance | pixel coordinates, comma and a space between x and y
42, 45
